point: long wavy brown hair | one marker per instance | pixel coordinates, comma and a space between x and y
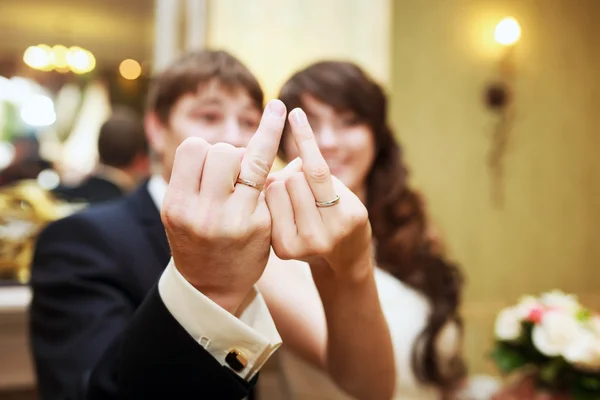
396, 212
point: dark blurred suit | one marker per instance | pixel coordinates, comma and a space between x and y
95, 189
91, 272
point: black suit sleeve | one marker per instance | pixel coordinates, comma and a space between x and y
79, 306
159, 359
89, 342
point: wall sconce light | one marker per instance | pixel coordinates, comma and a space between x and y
508, 32
498, 97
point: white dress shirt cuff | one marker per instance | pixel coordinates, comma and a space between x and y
254, 334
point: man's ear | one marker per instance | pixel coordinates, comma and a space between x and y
156, 132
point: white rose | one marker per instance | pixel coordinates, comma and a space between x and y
595, 324
559, 300
555, 332
526, 305
508, 324
584, 350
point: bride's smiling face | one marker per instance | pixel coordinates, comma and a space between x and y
346, 142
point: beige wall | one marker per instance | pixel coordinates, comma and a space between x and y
545, 235
443, 54
276, 37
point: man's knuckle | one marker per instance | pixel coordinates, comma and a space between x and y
232, 227
263, 224
190, 146
170, 217
173, 214
222, 148
203, 227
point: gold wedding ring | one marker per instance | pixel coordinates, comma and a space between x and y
328, 203
252, 184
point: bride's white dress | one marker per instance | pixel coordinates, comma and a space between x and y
406, 311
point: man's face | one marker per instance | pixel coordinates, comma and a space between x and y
214, 113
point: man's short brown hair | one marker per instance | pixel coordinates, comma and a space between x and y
192, 69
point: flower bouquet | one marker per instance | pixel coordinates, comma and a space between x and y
554, 337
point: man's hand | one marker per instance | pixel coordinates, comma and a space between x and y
220, 231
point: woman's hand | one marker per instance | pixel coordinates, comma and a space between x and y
311, 223
315, 218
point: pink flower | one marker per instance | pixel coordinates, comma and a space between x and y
535, 315
526, 305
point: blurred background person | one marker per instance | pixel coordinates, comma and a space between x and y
26, 163
124, 161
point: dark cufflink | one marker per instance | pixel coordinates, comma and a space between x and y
236, 360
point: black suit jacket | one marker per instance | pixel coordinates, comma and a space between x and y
99, 329
93, 190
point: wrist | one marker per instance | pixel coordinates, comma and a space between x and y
338, 291
356, 272
230, 302
223, 296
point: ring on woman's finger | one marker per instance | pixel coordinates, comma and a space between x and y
328, 203
252, 184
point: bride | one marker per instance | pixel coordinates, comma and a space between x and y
419, 289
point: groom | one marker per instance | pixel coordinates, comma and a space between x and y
101, 325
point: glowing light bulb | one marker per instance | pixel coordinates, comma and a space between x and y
130, 69
38, 110
58, 56
79, 60
48, 50
91, 61
508, 31
36, 57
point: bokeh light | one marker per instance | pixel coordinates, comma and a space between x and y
38, 110
60, 58
48, 179
36, 57
19, 89
7, 153
130, 69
